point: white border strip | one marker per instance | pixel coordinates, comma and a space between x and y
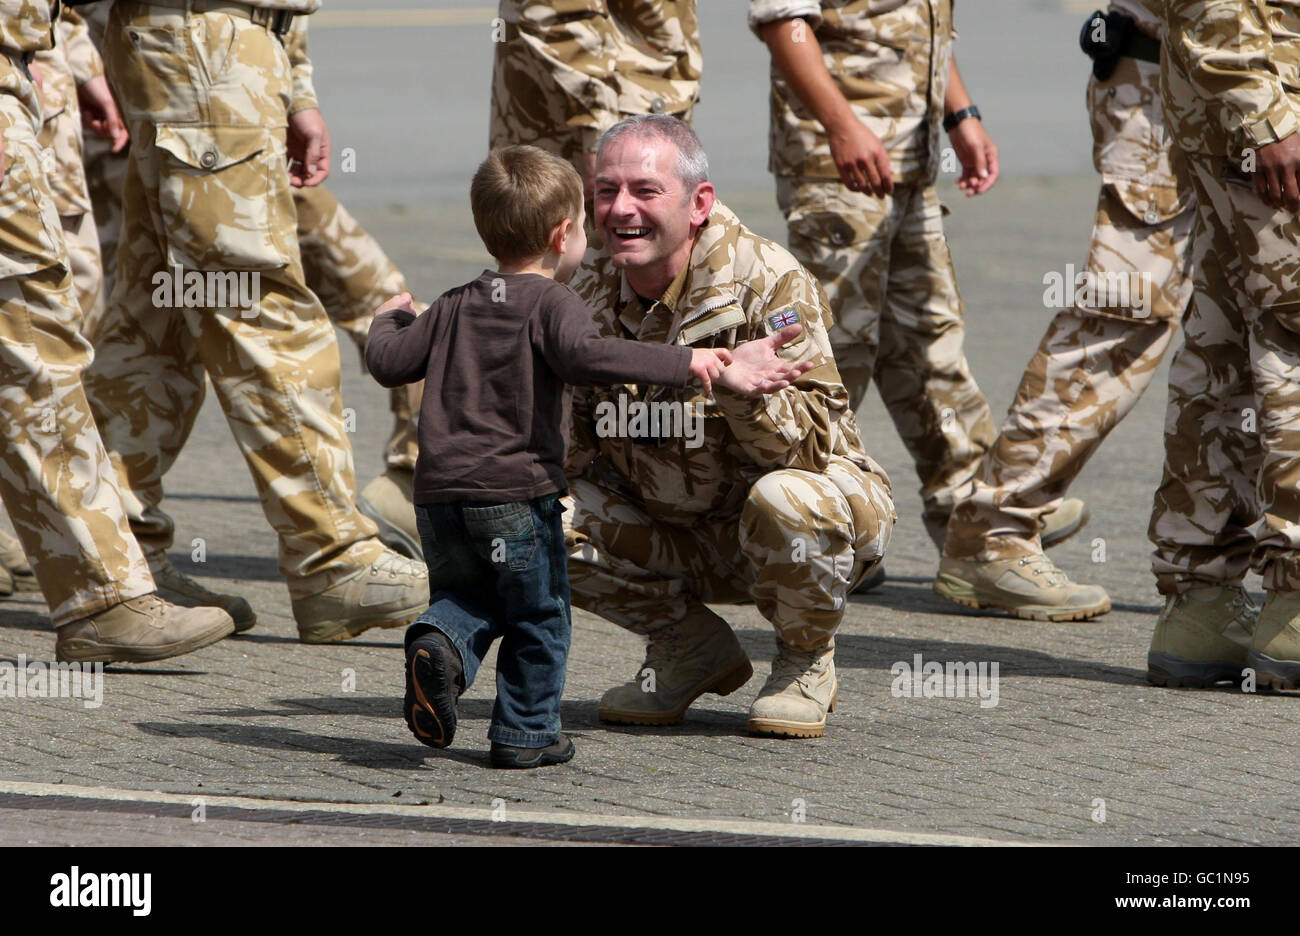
735, 826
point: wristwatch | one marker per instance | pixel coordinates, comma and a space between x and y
957, 117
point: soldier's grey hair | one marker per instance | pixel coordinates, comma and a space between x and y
692, 164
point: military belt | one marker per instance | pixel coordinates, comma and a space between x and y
277, 21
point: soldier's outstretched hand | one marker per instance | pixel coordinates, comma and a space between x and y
756, 368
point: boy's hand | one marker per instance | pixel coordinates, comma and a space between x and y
707, 365
403, 302
756, 369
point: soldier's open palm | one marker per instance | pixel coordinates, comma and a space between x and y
756, 368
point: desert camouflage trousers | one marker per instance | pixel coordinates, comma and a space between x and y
56, 478
61, 139
352, 276
899, 319
1092, 366
801, 543
344, 266
206, 192
1232, 430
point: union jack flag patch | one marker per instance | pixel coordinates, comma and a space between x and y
781, 319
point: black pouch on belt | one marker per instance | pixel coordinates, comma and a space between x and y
1103, 39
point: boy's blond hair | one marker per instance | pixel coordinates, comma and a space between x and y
518, 196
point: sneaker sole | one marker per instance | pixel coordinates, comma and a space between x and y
1280, 675
1164, 669
100, 654
728, 683
963, 593
426, 678
781, 728
390, 534
1066, 533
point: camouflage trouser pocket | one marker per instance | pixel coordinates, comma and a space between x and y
224, 196
29, 223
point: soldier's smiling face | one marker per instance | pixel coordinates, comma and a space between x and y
645, 212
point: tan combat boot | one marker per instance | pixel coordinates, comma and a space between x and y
389, 501
180, 589
14, 561
1202, 637
795, 699
682, 662
139, 631
1030, 587
388, 591
1059, 525
1275, 648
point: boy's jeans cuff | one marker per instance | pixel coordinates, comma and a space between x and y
523, 739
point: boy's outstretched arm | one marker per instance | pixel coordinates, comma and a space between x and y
397, 348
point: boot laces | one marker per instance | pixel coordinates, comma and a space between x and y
662, 649
800, 667
1042, 565
396, 564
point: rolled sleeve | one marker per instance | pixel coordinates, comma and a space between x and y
762, 12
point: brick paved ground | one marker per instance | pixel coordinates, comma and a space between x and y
263, 716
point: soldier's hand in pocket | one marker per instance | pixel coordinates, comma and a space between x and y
756, 368
1277, 177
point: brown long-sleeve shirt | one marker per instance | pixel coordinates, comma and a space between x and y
495, 355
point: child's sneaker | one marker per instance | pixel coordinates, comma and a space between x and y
434, 680
508, 757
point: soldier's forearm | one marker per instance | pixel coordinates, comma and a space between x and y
955, 96
797, 55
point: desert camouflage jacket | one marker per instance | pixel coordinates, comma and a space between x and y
1231, 74
1131, 148
72, 61
577, 67
890, 60
1146, 12
737, 286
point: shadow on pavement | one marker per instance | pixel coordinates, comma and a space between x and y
856, 651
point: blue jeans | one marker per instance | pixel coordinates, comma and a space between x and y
501, 571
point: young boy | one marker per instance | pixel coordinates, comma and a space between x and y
495, 355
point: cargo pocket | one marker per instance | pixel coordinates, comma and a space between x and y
29, 223
224, 199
